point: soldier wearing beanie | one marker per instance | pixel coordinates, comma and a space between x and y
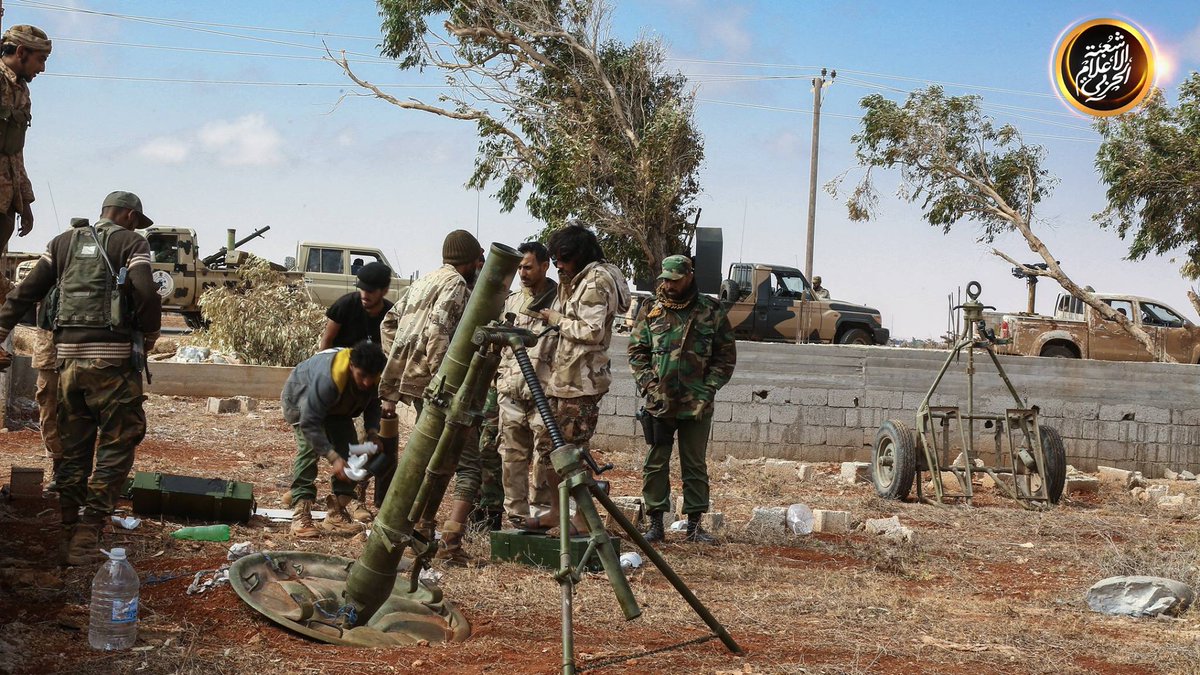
416, 333
23, 53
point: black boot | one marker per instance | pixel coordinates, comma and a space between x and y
695, 533
655, 533
52, 486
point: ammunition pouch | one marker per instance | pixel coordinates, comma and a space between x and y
14, 124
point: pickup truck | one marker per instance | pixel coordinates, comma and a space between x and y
776, 303
1077, 332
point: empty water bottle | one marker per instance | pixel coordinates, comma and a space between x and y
114, 604
203, 533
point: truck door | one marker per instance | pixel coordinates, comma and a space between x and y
325, 273
173, 267
780, 322
1109, 342
1171, 333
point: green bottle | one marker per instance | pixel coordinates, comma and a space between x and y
203, 533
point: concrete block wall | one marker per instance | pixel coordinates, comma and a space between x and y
826, 402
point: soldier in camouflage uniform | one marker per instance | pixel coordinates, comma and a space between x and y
681, 351
23, 53
591, 293
416, 334
96, 323
524, 436
45, 362
489, 507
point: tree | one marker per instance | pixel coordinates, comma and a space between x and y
958, 165
1150, 160
597, 130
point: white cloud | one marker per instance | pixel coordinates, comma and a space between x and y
165, 150
247, 141
726, 27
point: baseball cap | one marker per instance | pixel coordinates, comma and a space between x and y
374, 276
676, 267
128, 200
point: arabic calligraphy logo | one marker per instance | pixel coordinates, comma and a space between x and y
1104, 67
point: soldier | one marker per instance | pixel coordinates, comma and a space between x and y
97, 325
321, 398
681, 351
820, 291
591, 293
45, 362
489, 507
416, 334
523, 435
23, 53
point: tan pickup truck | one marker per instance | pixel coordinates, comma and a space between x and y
1077, 332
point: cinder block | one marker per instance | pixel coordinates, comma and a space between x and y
843, 437
885, 399
768, 519
840, 398
246, 404
1109, 474
806, 472
1082, 485
752, 412
785, 414
855, 472
722, 411
221, 406
1081, 410
810, 435
713, 522
810, 397
831, 522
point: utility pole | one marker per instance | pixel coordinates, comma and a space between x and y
819, 84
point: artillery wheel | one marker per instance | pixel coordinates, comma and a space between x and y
1055, 476
893, 460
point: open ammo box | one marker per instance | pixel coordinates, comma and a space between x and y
190, 497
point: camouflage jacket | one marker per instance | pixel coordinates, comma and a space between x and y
680, 358
509, 380
15, 189
416, 332
587, 304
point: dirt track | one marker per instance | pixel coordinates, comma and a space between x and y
987, 589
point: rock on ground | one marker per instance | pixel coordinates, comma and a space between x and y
1139, 596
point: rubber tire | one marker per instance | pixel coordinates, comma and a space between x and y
1058, 352
856, 336
904, 456
730, 291
194, 320
1056, 462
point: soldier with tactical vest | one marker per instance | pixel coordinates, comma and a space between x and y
23, 53
681, 351
105, 313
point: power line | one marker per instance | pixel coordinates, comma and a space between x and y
203, 50
249, 83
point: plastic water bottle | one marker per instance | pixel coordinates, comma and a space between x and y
114, 604
203, 533
800, 519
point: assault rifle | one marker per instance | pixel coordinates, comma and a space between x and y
121, 276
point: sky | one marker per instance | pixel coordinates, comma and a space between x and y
224, 114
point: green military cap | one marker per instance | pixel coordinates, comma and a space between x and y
30, 37
676, 267
128, 200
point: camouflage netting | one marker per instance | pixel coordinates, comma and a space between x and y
268, 319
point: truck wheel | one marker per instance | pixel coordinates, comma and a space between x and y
194, 320
857, 336
1055, 475
1058, 352
730, 292
893, 460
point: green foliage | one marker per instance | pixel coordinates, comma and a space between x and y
953, 160
584, 128
1150, 160
267, 319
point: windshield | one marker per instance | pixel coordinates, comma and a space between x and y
790, 285
1157, 315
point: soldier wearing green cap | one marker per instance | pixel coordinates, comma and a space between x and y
103, 297
23, 53
681, 351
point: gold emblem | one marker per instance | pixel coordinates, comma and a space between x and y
1104, 67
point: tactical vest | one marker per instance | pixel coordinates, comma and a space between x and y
13, 125
88, 296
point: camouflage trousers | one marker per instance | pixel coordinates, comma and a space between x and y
341, 433
577, 417
524, 437
491, 490
101, 422
693, 469
45, 361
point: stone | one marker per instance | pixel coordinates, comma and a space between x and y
1110, 474
631, 508
1082, 485
890, 529
831, 522
221, 406
1136, 480
1187, 475
246, 404
713, 522
768, 519
1139, 596
856, 472
1140, 494
1170, 475
1156, 492
806, 473
1171, 503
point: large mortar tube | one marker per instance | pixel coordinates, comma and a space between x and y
373, 575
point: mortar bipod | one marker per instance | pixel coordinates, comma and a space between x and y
578, 484
1031, 460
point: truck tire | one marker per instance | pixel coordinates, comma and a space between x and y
1058, 352
1055, 477
194, 320
730, 292
856, 336
893, 460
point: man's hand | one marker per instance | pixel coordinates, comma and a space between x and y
26, 221
551, 316
387, 408
339, 469
5, 360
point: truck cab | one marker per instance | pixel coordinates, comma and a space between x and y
330, 269
776, 303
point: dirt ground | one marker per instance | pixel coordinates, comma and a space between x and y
988, 589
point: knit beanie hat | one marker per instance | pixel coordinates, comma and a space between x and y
460, 247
